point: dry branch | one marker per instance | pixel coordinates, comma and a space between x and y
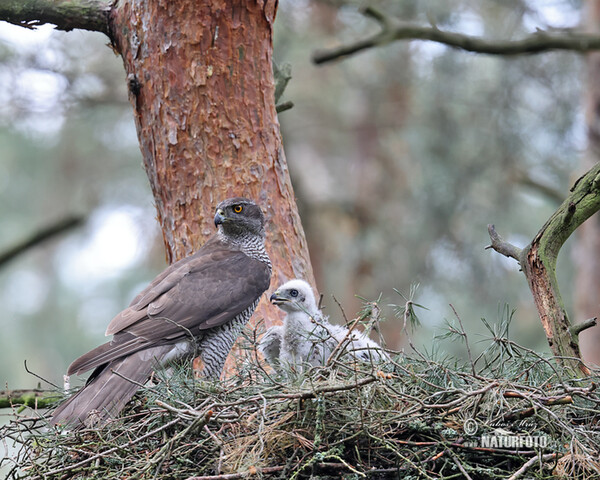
394, 30
530, 463
235, 476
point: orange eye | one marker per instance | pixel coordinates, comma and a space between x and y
237, 208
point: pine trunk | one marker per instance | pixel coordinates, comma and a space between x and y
201, 84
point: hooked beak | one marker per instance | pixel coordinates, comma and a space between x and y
278, 299
220, 217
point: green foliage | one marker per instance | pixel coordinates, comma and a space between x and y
406, 311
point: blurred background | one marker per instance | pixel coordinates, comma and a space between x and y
400, 157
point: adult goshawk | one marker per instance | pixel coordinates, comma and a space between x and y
197, 306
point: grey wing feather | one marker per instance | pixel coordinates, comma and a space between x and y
215, 289
136, 310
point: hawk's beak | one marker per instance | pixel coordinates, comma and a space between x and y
220, 217
278, 299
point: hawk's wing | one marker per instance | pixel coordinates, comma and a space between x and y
205, 290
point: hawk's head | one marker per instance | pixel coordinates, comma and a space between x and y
239, 216
295, 296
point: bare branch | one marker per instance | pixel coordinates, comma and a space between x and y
392, 30
111, 450
500, 246
40, 236
65, 14
580, 327
282, 107
552, 193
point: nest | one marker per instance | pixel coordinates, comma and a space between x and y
507, 414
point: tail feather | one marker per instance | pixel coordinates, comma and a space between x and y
108, 390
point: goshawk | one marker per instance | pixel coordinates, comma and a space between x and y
197, 306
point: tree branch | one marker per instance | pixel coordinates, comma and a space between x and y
392, 30
32, 398
538, 262
580, 327
65, 14
39, 237
282, 107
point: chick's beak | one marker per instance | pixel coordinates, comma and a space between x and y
220, 217
278, 299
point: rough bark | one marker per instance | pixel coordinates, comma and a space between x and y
587, 247
201, 84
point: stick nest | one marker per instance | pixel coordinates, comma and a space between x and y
420, 417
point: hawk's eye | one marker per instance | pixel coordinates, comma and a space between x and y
294, 293
237, 208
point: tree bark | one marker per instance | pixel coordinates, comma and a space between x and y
201, 84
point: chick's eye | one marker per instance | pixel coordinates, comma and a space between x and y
237, 208
294, 293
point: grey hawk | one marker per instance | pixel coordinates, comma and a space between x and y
306, 336
197, 306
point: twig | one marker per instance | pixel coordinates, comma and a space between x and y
235, 476
318, 391
107, 452
460, 467
502, 247
38, 376
554, 194
549, 401
462, 398
341, 344
464, 335
531, 462
580, 327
